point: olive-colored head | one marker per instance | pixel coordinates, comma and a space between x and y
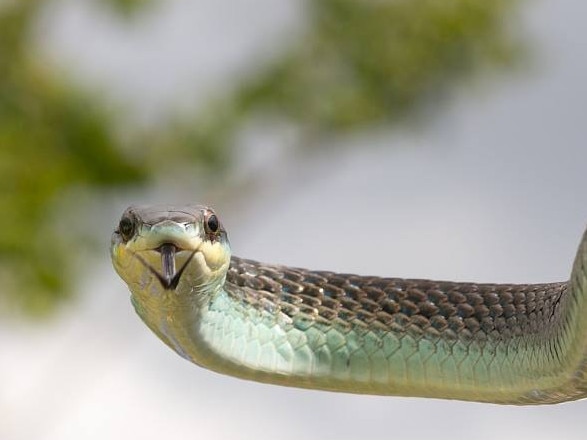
162, 249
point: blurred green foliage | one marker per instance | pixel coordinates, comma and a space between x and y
128, 7
359, 63
53, 137
363, 62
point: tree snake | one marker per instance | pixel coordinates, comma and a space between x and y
501, 343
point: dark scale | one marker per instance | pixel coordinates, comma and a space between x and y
498, 310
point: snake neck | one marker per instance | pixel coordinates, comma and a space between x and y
520, 344
500, 343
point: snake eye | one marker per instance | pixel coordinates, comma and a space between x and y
126, 227
212, 223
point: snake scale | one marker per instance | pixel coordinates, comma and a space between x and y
500, 343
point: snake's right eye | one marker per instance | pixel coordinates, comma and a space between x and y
126, 227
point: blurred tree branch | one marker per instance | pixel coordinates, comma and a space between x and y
363, 63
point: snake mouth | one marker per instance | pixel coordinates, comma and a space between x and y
168, 277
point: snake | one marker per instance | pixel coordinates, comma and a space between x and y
517, 344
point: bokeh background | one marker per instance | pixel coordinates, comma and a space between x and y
417, 138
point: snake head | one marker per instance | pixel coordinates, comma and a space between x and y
157, 249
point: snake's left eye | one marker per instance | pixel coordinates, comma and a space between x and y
212, 223
126, 227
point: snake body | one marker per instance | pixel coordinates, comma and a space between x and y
500, 343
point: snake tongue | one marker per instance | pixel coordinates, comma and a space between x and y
168, 262
169, 278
